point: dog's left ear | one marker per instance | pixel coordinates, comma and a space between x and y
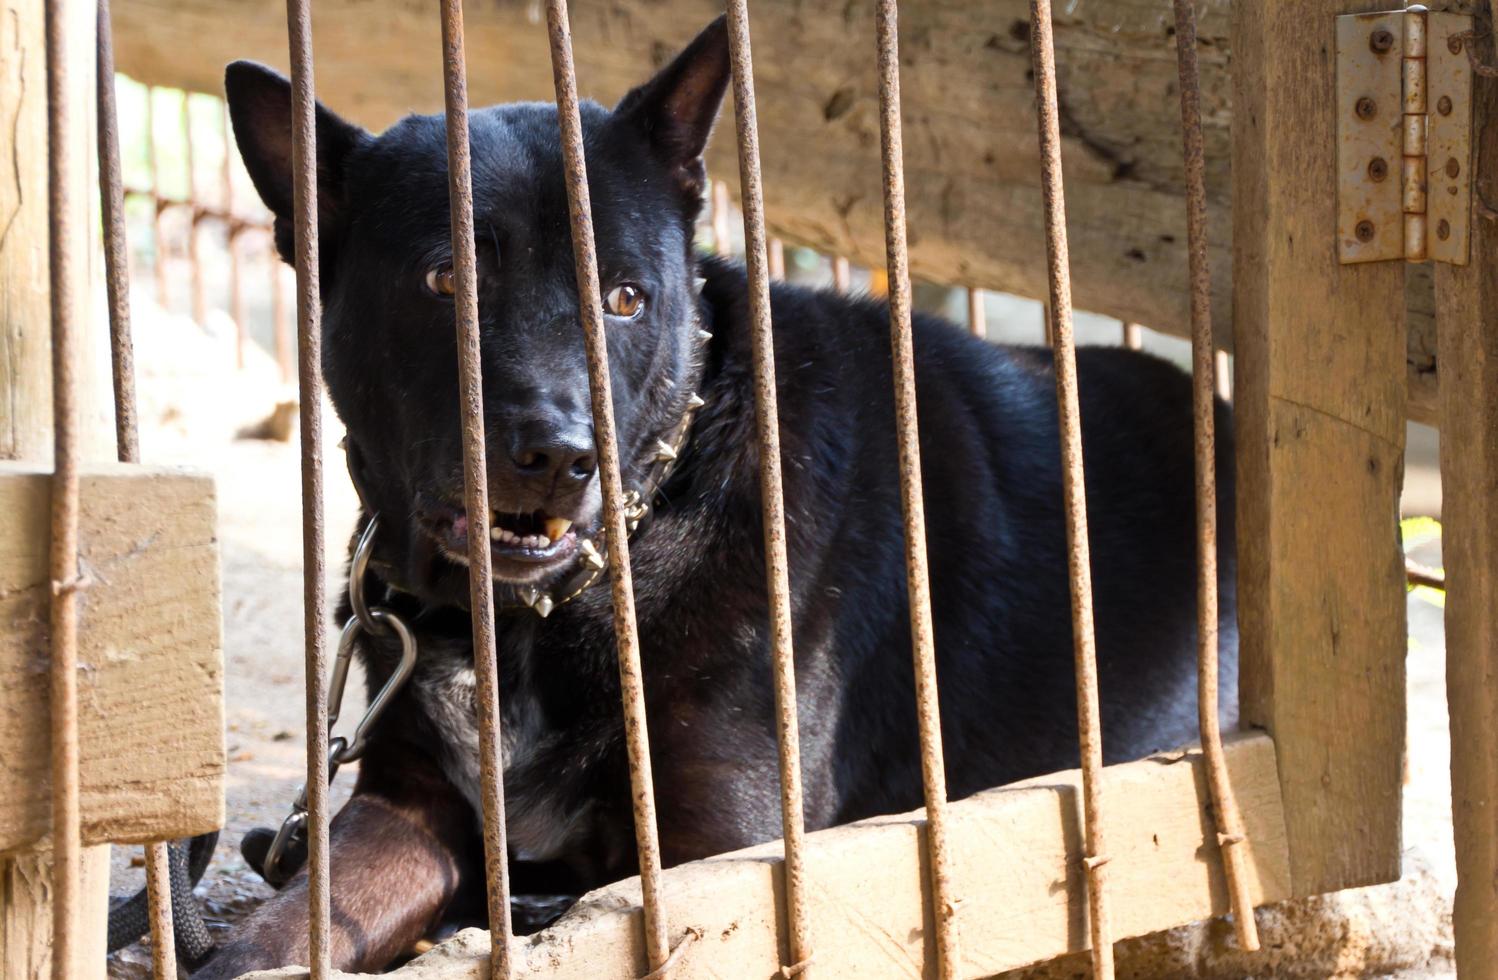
677, 107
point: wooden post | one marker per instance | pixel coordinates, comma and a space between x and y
1467, 325
26, 393
1320, 395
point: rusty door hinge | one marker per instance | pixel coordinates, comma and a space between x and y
1404, 136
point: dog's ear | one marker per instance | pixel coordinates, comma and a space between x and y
260, 110
677, 107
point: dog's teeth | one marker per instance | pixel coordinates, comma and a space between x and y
496, 533
556, 527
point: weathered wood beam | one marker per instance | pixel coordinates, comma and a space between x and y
1467, 301
970, 155
1018, 871
1319, 398
150, 696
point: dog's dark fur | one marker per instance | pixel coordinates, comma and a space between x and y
407, 846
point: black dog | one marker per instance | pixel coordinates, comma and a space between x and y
407, 846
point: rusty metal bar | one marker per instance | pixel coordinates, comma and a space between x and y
1224, 376
933, 768
116, 257
159, 896
1089, 726
1047, 324
1133, 336
309, 351
279, 324
590, 304
231, 242
194, 254
720, 208
977, 317
67, 826
759, 262
127, 435
158, 237
1230, 833
842, 275
476, 487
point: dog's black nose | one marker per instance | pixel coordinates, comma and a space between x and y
552, 456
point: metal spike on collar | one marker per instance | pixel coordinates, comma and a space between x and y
704, 335
543, 605
664, 451
528, 595
591, 554
694, 402
697, 285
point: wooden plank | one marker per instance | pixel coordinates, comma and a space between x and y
26, 915
25, 306
1320, 410
1467, 311
973, 191
151, 693
1018, 872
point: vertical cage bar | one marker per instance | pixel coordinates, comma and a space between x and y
232, 229
977, 317
1133, 336
127, 436
933, 768
842, 275
309, 352
116, 257
279, 324
776, 257
1224, 376
1231, 837
720, 219
153, 173
476, 487
1089, 725
590, 309
758, 259
194, 213
67, 827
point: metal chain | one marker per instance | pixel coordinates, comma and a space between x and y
286, 853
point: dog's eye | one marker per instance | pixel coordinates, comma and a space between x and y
440, 279
626, 301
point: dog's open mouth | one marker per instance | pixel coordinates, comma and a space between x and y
536, 533
536, 538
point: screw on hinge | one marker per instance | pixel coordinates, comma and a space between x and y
1378, 169
1381, 41
1453, 168
1443, 230
1443, 105
1454, 44
1366, 108
1364, 230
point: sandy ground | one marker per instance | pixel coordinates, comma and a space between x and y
192, 407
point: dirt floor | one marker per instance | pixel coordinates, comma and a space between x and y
193, 405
